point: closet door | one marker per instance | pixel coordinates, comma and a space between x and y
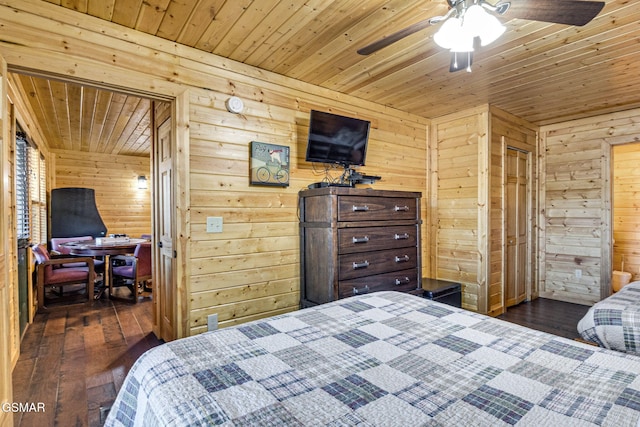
517, 205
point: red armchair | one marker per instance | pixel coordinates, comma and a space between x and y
57, 244
50, 274
58, 249
131, 271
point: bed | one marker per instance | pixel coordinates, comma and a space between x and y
614, 322
380, 359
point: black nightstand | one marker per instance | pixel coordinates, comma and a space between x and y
442, 291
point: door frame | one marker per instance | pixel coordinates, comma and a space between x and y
179, 99
609, 197
6, 364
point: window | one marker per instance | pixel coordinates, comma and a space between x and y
31, 192
38, 194
42, 201
22, 189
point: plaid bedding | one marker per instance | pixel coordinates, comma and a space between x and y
614, 322
380, 359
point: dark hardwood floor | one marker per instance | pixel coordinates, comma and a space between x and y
555, 317
74, 358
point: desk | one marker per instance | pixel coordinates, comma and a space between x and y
91, 248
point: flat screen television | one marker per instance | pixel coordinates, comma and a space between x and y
337, 139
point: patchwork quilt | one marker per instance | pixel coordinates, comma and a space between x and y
379, 359
614, 322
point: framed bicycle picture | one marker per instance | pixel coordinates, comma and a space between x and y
269, 164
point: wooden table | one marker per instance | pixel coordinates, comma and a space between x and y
91, 248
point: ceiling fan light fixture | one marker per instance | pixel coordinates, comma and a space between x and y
455, 26
462, 42
458, 32
491, 33
478, 22
447, 34
501, 8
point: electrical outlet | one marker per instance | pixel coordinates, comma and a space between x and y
578, 273
212, 322
214, 224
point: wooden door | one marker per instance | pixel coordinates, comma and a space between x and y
517, 230
165, 281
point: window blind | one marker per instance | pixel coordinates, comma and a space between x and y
22, 189
34, 194
42, 181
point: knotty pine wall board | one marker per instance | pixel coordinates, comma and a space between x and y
25, 117
576, 203
467, 195
124, 208
454, 187
509, 131
258, 259
249, 270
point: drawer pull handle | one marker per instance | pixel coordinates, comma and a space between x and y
403, 258
357, 265
364, 290
402, 281
404, 236
401, 208
364, 208
364, 239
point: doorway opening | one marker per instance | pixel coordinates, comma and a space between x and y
97, 136
625, 196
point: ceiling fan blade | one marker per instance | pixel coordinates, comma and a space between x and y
460, 61
390, 39
568, 12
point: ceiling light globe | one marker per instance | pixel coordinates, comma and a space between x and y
462, 43
491, 31
448, 32
474, 19
480, 23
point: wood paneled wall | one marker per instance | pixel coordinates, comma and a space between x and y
10, 231
6, 281
459, 201
626, 208
509, 131
251, 269
467, 193
124, 208
18, 111
576, 195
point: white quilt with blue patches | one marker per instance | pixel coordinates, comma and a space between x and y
380, 359
614, 322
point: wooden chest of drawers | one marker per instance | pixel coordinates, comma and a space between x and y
358, 240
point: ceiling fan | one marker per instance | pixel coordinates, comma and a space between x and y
469, 22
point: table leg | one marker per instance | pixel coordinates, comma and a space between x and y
105, 279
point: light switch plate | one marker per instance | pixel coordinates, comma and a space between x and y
214, 224
212, 322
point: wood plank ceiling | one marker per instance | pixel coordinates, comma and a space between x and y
80, 118
542, 72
